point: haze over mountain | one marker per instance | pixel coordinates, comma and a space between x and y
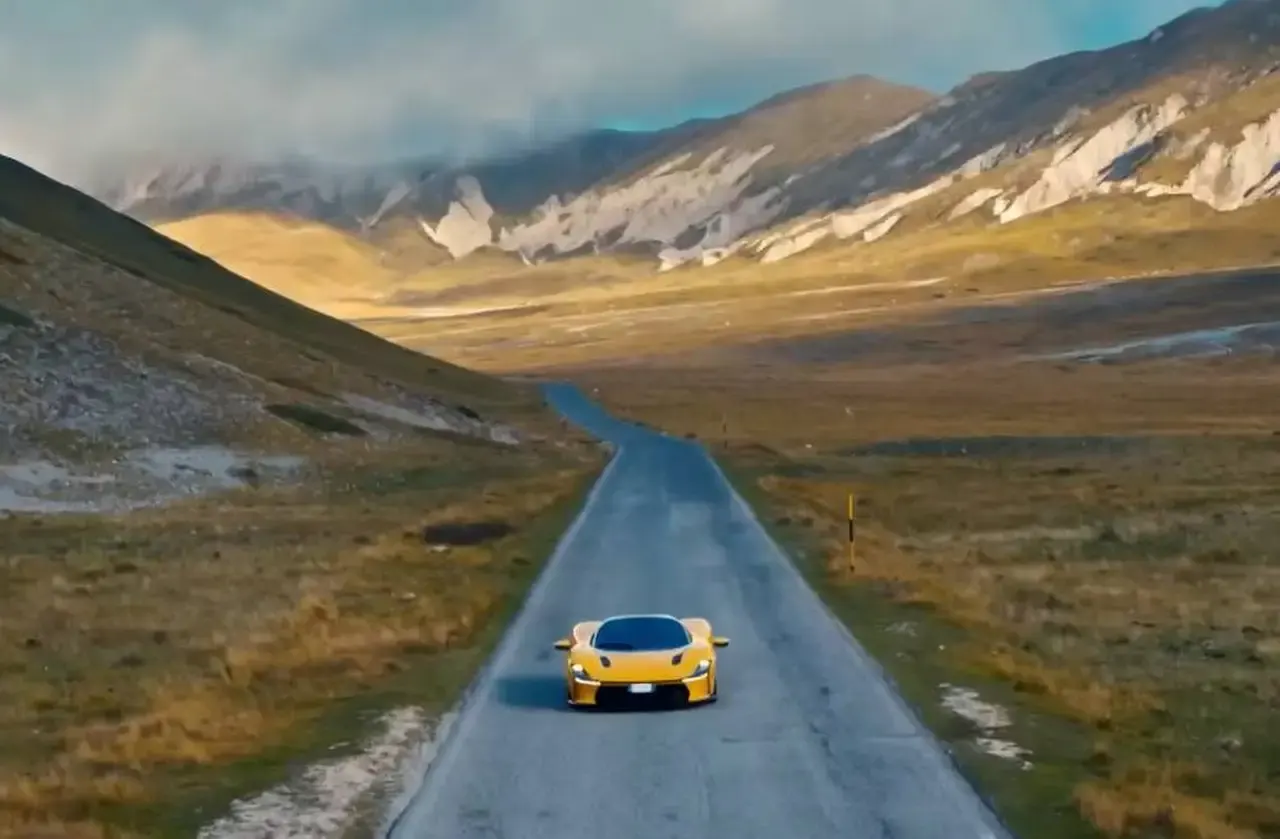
1185, 110
347, 81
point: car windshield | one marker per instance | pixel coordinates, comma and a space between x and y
640, 634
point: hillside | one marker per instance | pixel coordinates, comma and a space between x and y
623, 189
133, 361
312, 263
374, 200
239, 535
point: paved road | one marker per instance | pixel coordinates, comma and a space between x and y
807, 740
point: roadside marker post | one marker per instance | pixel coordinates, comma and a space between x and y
852, 531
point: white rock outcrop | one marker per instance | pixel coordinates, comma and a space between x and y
881, 228
725, 231
1228, 178
1107, 162
872, 221
659, 207
464, 229
1080, 167
788, 246
973, 201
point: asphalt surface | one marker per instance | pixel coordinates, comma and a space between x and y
806, 741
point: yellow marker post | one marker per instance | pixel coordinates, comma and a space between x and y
852, 532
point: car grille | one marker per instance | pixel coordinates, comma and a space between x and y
663, 694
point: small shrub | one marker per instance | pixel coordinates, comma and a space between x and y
465, 532
12, 317
298, 384
314, 419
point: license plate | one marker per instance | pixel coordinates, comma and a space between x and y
641, 688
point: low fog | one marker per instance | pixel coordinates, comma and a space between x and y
87, 90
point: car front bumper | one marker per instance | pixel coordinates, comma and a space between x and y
679, 692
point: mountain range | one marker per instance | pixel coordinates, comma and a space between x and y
1191, 110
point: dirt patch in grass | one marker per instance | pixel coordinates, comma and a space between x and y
998, 445
1094, 552
465, 532
160, 664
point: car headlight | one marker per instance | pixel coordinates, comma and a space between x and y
704, 666
579, 672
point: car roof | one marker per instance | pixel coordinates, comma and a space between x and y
641, 615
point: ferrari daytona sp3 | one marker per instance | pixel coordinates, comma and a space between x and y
627, 659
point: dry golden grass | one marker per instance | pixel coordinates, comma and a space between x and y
592, 311
154, 647
1223, 121
354, 278
313, 263
1151, 803
1130, 589
792, 407
813, 124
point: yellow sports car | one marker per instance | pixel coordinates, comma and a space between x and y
641, 657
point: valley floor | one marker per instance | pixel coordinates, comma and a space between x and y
167, 661
1071, 571
1066, 482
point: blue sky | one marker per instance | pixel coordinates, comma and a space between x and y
1072, 24
83, 85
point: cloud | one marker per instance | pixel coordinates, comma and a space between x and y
358, 80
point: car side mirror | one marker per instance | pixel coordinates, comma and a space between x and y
564, 644
717, 641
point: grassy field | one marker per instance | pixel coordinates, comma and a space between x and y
161, 663
596, 309
1090, 548
312, 263
606, 307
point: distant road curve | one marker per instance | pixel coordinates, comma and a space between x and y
808, 741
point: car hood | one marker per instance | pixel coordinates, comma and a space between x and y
664, 665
